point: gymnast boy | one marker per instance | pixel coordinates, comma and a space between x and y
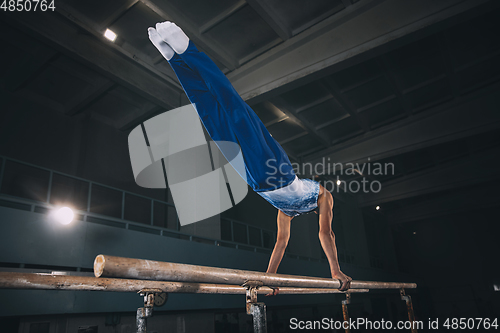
227, 117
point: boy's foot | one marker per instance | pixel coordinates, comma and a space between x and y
173, 36
158, 42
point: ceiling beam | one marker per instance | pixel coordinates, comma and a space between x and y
139, 117
27, 68
287, 109
424, 83
450, 176
125, 7
222, 16
339, 7
35, 58
271, 18
376, 103
98, 55
40, 99
396, 88
348, 37
259, 51
87, 98
332, 121
361, 82
465, 116
314, 103
275, 121
291, 138
344, 102
98, 31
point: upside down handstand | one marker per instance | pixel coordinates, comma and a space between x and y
227, 117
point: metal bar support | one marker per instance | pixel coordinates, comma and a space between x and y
257, 310
147, 310
345, 312
409, 307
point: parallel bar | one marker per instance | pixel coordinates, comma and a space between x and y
111, 266
10, 280
409, 307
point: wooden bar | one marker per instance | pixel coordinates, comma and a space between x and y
10, 280
110, 266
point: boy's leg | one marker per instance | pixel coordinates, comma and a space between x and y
267, 162
214, 79
207, 106
188, 78
194, 86
226, 116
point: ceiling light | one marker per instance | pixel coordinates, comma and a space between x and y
64, 215
110, 35
377, 208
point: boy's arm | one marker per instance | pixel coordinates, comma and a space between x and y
282, 238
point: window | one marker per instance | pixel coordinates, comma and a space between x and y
66, 191
137, 209
106, 201
25, 181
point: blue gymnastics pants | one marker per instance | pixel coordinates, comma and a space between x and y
227, 117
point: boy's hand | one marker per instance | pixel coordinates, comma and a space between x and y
345, 281
275, 291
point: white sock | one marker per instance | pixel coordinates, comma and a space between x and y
173, 36
158, 42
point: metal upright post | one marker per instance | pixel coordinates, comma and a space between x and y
257, 310
142, 314
409, 307
345, 312
147, 310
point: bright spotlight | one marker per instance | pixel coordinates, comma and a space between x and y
64, 215
110, 35
377, 208
338, 182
